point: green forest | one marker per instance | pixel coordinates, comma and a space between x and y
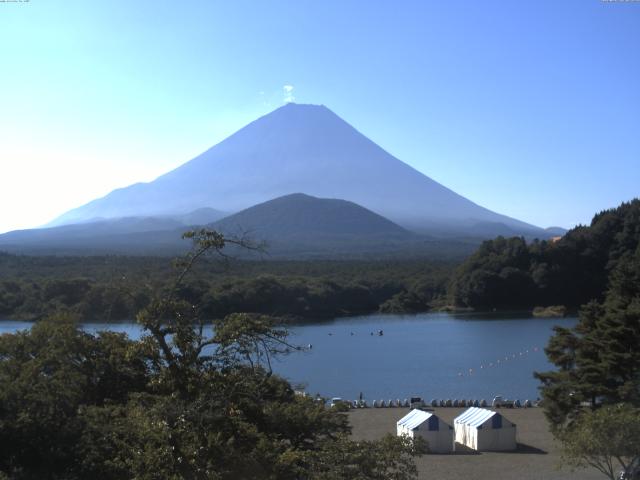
116, 288
592, 396
504, 273
510, 273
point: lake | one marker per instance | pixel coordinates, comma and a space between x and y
433, 355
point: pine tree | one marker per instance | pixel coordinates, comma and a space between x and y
599, 359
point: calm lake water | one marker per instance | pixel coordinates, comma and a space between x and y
434, 355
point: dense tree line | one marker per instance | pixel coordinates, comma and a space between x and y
592, 399
511, 273
177, 404
115, 288
598, 360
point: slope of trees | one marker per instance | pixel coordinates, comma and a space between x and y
598, 361
508, 273
592, 399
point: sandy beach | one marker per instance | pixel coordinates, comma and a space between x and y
537, 457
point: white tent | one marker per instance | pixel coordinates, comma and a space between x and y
438, 434
484, 430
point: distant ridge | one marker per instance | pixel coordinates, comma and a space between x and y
302, 226
299, 215
301, 148
556, 231
97, 235
295, 226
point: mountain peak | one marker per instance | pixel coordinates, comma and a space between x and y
303, 106
298, 148
292, 105
297, 116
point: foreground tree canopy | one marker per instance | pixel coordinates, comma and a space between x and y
605, 439
177, 404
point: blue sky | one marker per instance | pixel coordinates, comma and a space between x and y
529, 108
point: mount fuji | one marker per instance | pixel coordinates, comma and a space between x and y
303, 149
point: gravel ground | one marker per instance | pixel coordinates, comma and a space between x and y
537, 457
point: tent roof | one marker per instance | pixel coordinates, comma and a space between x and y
414, 419
475, 416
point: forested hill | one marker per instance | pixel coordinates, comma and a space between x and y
299, 216
510, 273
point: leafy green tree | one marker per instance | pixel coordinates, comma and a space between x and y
607, 439
598, 361
228, 413
47, 376
186, 401
387, 459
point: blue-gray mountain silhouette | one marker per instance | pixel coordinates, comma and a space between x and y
300, 148
293, 226
299, 215
98, 235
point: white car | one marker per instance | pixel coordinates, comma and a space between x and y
498, 402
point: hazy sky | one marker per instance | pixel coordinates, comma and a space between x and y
529, 108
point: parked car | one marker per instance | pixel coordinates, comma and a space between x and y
335, 401
416, 402
500, 402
